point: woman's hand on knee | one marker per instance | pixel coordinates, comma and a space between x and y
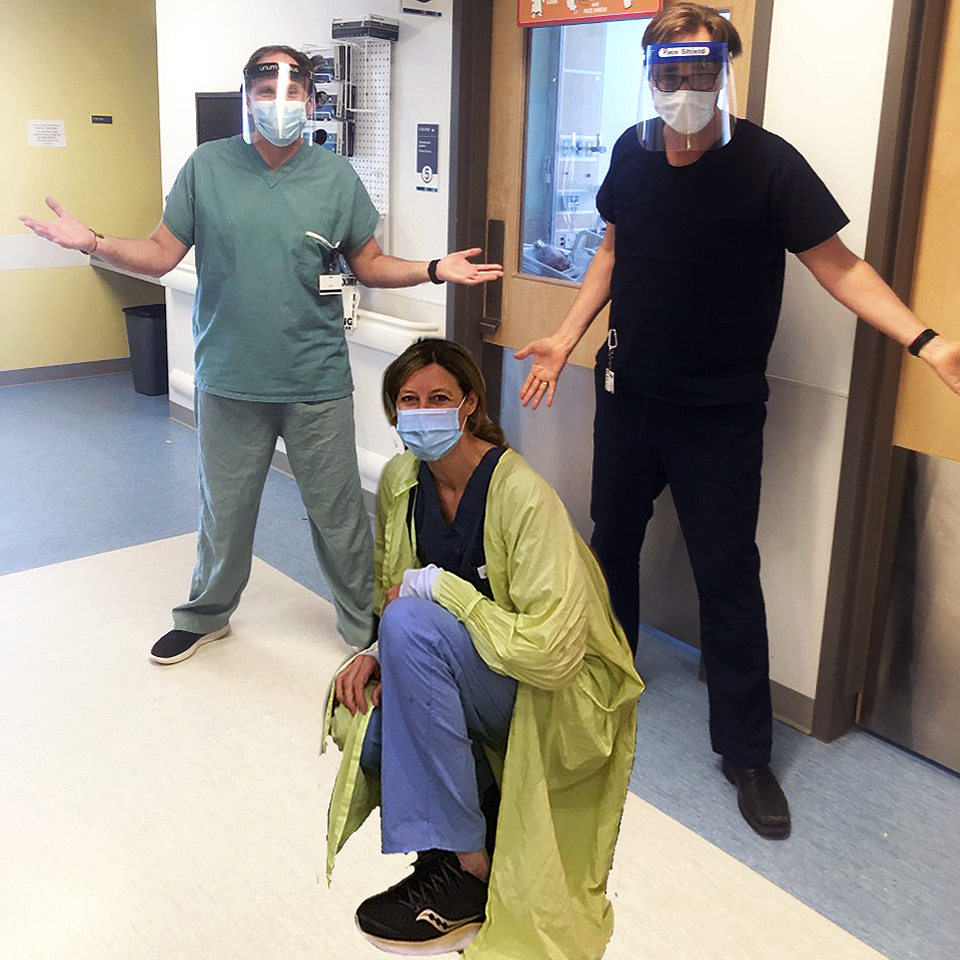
391, 595
352, 680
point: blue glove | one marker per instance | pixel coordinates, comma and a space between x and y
419, 582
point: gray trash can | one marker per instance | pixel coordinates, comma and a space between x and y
147, 337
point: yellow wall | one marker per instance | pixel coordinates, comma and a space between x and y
74, 60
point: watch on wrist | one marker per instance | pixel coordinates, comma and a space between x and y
922, 340
432, 271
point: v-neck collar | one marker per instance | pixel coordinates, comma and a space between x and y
466, 508
270, 176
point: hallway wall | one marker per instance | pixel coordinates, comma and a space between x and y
75, 60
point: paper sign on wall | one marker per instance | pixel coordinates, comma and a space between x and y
46, 133
548, 13
428, 153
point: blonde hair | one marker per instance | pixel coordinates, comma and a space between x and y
459, 364
681, 19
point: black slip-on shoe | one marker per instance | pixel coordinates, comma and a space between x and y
760, 799
177, 645
437, 909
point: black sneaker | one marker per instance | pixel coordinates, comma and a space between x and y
437, 909
177, 645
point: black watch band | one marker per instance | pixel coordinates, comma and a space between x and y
432, 271
922, 341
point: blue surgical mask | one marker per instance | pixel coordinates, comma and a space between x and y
430, 433
280, 122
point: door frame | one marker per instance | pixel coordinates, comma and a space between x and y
871, 471
469, 144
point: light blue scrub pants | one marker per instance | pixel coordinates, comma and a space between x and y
438, 698
236, 441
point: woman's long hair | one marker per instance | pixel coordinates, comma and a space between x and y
459, 364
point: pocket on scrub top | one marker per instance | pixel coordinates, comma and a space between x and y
313, 259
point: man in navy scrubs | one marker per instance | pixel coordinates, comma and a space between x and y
700, 208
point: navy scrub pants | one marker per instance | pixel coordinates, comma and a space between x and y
711, 459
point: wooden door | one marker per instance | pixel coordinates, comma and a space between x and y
928, 415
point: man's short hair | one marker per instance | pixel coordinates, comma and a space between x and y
681, 19
298, 56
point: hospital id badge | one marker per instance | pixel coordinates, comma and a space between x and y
330, 282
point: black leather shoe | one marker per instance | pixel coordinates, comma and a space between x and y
760, 799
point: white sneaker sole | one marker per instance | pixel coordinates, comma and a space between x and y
190, 651
455, 941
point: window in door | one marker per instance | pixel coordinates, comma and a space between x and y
583, 91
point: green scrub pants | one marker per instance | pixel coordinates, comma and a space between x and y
236, 440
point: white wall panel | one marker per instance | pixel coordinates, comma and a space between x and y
814, 341
824, 95
803, 440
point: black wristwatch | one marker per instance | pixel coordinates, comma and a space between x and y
432, 271
922, 341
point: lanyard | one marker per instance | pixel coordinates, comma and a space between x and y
612, 342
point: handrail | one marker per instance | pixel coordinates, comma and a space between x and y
414, 326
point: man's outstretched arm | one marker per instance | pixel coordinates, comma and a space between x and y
154, 255
373, 268
854, 283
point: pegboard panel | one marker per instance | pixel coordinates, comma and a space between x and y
364, 93
370, 76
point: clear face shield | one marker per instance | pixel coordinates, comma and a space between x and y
687, 97
278, 104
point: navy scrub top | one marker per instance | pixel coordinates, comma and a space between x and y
459, 547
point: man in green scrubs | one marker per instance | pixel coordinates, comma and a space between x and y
269, 218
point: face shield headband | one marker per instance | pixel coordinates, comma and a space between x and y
278, 99
687, 99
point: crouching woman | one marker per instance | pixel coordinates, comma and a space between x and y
498, 657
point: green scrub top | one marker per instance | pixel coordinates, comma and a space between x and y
261, 329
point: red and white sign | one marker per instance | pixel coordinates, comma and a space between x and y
550, 13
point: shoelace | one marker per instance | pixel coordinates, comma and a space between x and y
433, 872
